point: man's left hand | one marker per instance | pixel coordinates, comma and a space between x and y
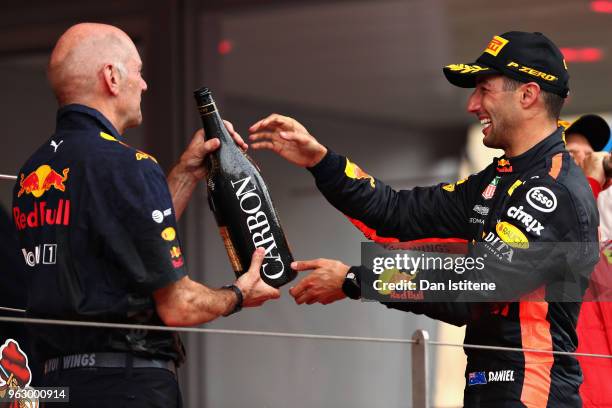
323, 285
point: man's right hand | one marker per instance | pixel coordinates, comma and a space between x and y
288, 138
254, 290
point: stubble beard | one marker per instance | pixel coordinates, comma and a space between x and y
498, 134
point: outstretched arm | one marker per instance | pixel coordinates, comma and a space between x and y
377, 209
186, 302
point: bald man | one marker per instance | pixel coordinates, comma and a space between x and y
96, 220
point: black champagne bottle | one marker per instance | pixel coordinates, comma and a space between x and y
240, 200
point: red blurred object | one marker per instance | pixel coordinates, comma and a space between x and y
601, 6
225, 47
587, 54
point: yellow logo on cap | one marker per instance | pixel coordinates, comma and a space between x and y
533, 72
466, 68
511, 235
495, 46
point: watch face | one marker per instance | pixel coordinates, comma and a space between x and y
351, 287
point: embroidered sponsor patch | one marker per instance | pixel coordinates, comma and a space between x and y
514, 187
504, 166
481, 209
451, 186
41, 180
168, 234
477, 378
542, 199
495, 45
531, 71
511, 235
466, 68
354, 171
530, 222
489, 191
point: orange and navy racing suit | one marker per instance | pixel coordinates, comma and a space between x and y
538, 201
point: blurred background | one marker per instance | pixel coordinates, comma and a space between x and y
365, 78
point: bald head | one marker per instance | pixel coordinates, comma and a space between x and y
80, 54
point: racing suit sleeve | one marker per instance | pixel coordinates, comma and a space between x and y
539, 242
386, 215
134, 220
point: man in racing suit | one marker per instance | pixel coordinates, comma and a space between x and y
530, 215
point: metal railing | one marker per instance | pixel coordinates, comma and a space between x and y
420, 341
420, 345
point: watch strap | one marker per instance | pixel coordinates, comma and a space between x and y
239, 299
352, 283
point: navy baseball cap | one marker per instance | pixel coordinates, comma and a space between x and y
525, 57
594, 128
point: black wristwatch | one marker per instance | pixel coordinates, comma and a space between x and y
239, 298
352, 283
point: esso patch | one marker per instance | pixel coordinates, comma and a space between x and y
542, 199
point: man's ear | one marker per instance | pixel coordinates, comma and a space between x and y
529, 94
111, 78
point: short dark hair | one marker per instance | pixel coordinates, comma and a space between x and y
552, 102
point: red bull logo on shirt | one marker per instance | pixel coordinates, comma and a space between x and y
354, 171
41, 180
177, 257
41, 215
504, 166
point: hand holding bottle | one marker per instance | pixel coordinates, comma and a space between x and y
192, 159
190, 170
241, 202
253, 288
288, 138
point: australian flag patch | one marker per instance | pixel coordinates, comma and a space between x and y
476, 378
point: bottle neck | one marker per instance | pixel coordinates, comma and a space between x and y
213, 124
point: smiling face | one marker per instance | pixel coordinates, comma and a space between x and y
497, 109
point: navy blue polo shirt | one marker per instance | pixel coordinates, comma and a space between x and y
97, 232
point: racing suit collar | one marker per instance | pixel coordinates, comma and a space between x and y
76, 116
552, 143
